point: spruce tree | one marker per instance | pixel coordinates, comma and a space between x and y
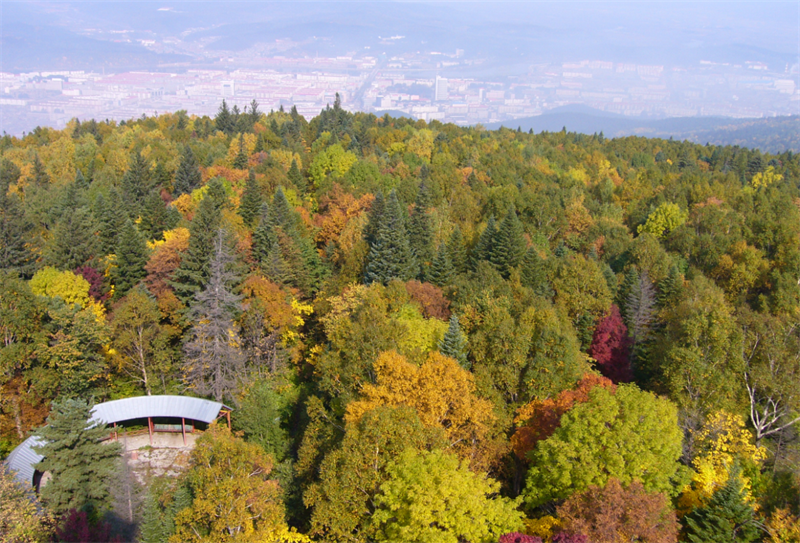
442, 271
263, 236
110, 215
73, 242
457, 251
420, 231
454, 344
509, 244
296, 177
726, 518
534, 274
136, 184
374, 218
390, 255
240, 162
224, 120
15, 228
162, 178
669, 288
251, 200
483, 249
156, 217
80, 464
188, 176
131, 259
213, 362
154, 527
41, 178
193, 272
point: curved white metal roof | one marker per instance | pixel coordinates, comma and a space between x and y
23, 458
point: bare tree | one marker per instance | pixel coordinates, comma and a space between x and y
213, 362
639, 313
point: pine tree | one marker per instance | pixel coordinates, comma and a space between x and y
420, 231
281, 213
80, 464
259, 148
136, 184
509, 244
454, 344
374, 218
15, 228
296, 177
263, 236
669, 288
241, 160
162, 178
483, 249
726, 518
214, 364
110, 215
131, 259
154, 527
224, 121
251, 200
157, 217
442, 271
390, 255
194, 271
188, 176
534, 274
73, 242
457, 251
41, 178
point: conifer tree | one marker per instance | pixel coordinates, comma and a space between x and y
390, 255
73, 242
251, 200
193, 272
420, 231
457, 251
110, 214
442, 271
214, 363
41, 178
240, 162
157, 217
669, 288
374, 218
224, 121
136, 184
726, 518
509, 244
132, 255
188, 176
483, 249
259, 148
534, 274
15, 228
263, 235
296, 177
454, 344
154, 527
79, 463
162, 178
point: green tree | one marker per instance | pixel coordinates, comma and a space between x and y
16, 229
457, 251
73, 242
22, 518
80, 464
454, 343
390, 256
132, 255
483, 249
241, 160
251, 200
136, 183
726, 518
441, 270
296, 177
508, 246
225, 121
431, 497
188, 176
420, 231
110, 215
534, 274
666, 218
630, 435
342, 501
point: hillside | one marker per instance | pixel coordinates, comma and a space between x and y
507, 331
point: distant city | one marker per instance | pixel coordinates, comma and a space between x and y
424, 86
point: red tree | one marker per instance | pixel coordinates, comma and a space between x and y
611, 347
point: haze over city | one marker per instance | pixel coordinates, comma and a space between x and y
465, 63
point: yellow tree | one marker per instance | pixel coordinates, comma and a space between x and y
234, 498
442, 393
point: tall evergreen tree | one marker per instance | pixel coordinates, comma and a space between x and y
214, 363
73, 243
80, 464
161, 178
669, 288
110, 214
534, 274
136, 184
251, 200
15, 228
442, 271
483, 249
240, 162
726, 518
454, 343
157, 217
457, 251
41, 178
420, 231
296, 177
263, 236
193, 272
188, 176
374, 219
131, 259
225, 121
508, 248
390, 255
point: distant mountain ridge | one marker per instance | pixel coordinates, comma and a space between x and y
770, 134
